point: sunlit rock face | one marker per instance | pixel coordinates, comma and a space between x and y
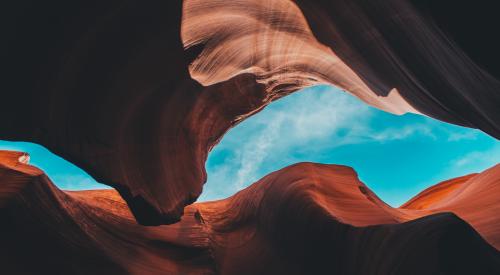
473, 197
138, 93
304, 219
378, 51
273, 41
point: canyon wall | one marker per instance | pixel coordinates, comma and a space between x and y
137, 93
304, 219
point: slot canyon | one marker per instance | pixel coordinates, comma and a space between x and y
137, 94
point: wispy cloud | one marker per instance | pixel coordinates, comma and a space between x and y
468, 135
254, 152
485, 158
391, 134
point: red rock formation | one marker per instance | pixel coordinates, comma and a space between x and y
304, 219
110, 86
436, 193
47, 231
474, 198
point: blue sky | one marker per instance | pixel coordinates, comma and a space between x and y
396, 156
63, 173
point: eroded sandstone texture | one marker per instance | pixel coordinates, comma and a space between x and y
138, 92
304, 219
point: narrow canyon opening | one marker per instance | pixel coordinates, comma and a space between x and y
397, 156
64, 174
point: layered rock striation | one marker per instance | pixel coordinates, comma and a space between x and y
304, 219
137, 93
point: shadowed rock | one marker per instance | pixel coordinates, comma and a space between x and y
137, 93
304, 219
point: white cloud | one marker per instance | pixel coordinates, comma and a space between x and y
481, 159
254, 152
458, 136
391, 134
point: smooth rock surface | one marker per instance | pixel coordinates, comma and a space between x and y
304, 219
137, 93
